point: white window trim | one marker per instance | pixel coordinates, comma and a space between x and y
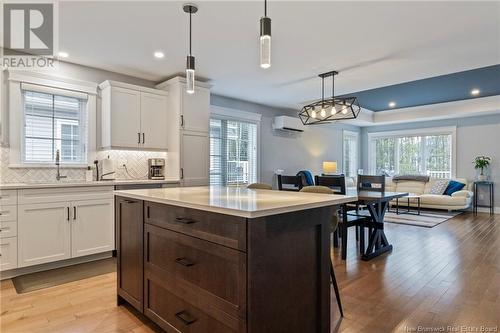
219, 112
450, 130
356, 135
16, 119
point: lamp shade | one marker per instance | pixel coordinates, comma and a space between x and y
329, 167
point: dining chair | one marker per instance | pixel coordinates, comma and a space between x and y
334, 223
259, 186
290, 183
371, 183
337, 184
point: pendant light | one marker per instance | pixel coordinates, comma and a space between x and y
190, 61
265, 39
341, 108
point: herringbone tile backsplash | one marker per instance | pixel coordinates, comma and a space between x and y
136, 162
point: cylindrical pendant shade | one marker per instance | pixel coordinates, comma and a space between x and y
265, 42
190, 64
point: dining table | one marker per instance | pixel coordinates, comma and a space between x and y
376, 204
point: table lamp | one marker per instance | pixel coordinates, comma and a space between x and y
329, 168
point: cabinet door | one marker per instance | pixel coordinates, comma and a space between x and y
153, 121
125, 117
196, 110
8, 253
129, 243
44, 233
194, 158
92, 227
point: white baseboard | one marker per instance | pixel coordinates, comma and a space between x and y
52, 265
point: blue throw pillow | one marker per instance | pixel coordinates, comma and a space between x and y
453, 187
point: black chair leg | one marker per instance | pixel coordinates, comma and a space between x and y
336, 288
362, 239
357, 233
344, 228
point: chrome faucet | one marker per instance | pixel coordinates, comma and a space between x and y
58, 158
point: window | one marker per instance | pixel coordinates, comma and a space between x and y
54, 122
233, 152
430, 153
350, 153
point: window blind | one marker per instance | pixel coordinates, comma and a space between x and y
54, 122
233, 152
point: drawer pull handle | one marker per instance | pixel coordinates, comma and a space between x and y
185, 317
184, 262
130, 201
184, 220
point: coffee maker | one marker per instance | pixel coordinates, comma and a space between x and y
156, 167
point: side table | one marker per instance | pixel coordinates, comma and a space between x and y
491, 192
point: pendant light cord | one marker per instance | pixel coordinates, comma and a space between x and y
265, 8
322, 90
333, 86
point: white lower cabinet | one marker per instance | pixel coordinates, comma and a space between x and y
8, 253
44, 233
91, 231
52, 231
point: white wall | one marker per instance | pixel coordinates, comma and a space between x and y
136, 162
475, 136
291, 152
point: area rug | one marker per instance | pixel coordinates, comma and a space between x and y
58, 276
427, 218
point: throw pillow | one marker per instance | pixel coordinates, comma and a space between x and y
439, 186
453, 187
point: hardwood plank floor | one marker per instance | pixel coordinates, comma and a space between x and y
448, 275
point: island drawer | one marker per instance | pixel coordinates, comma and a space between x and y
222, 229
173, 313
217, 273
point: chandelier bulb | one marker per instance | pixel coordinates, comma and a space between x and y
333, 111
313, 114
323, 112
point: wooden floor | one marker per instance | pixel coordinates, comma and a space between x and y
448, 275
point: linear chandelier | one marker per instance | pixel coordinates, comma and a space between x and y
330, 109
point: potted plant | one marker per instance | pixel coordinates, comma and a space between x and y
481, 163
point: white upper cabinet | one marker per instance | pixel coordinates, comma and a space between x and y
196, 110
154, 121
133, 117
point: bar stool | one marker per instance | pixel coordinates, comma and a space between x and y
334, 224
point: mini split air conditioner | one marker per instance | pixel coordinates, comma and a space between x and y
286, 123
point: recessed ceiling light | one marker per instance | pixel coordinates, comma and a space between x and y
159, 54
475, 92
63, 54
392, 104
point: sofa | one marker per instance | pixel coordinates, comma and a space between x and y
459, 200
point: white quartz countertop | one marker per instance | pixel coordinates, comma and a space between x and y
14, 186
237, 201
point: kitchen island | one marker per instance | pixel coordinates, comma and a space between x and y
217, 259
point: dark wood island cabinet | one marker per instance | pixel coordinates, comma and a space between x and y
201, 270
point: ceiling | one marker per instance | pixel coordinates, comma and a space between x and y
437, 89
372, 44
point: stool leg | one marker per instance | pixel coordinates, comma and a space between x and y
344, 241
336, 238
336, 288
357, 233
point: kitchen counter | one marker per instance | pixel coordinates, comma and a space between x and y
237, 201
226, 259
15, 186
